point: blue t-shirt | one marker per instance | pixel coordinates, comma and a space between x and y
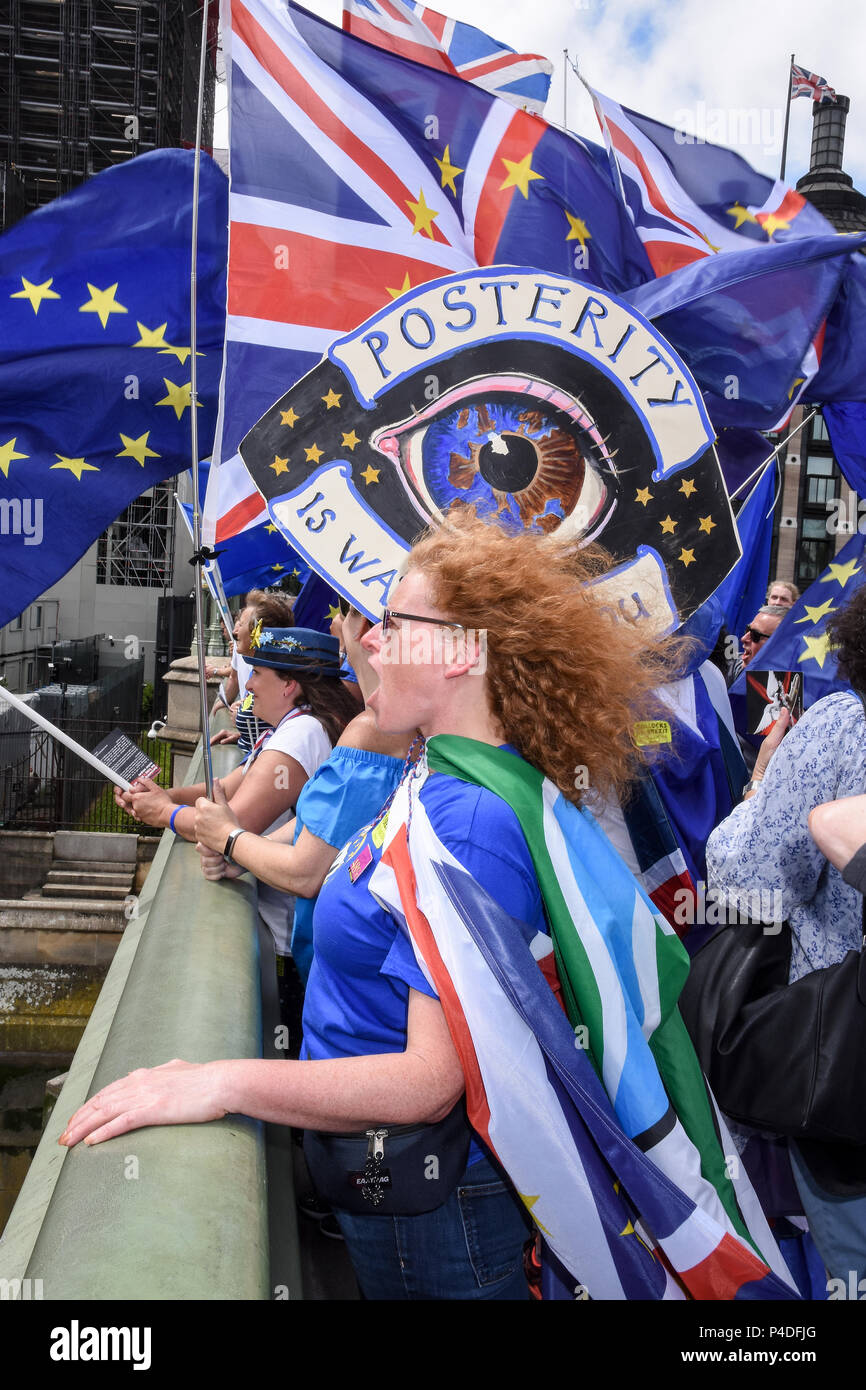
347, 791
357, 996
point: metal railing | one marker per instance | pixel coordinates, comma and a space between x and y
179, 1212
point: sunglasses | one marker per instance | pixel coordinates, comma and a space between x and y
757, 636
388, 616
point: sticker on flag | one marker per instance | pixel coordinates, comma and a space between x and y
539, 403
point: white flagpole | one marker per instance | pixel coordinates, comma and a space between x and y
63, 738
198, 558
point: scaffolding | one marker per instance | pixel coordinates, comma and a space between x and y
138, 548
85, 84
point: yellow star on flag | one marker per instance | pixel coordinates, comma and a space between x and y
288, 417
137, 448
76, 466
578, 230
529, 1203
179, 397
279, 465
350, 440
795, 385
668, 526
331, 400
333, 612
8, 454
151, 337
35, 293
643, 495
423, 215
687, 557
814, 615
687, 487
448, 170
102, 303
816, 648
270, 528
841, 573
277, 567
742, 215
773, 223
370, 474
395, 294
181, 353
313, 454
520, 172
706, 523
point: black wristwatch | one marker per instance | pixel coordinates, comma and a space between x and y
230, 843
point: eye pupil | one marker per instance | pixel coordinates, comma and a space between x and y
508, 463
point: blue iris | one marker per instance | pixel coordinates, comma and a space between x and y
498, 444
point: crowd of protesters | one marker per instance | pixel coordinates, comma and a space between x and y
535, 667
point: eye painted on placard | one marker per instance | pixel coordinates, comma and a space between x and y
516, 449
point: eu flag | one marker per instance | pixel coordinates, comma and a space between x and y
94, 357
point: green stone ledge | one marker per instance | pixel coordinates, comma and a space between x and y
176, 1212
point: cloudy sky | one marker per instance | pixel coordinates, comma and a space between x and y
714, 68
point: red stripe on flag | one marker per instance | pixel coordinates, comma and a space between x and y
723, 1273
434, 21
286, 74
303, 292
239, 516
627, 147
665, 256
397, 856
472, 71
427, 54
791, 204
521, 138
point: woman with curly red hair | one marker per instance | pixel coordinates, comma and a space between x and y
504, 642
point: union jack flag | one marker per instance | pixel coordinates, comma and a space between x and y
690, 199
355, 175
809, 84
417, 32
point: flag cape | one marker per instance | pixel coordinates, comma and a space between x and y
602, 1119
94, 357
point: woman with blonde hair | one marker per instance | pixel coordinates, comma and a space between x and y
499, 649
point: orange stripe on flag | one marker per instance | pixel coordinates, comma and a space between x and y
520, 139
723, 1273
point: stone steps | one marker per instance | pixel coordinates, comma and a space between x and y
105, 879
92, 866
89, 890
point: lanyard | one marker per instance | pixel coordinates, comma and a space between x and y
263, 738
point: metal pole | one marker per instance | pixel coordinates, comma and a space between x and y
565, 89
787, 115
193, 397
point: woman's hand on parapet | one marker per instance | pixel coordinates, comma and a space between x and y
214, 867
174, 1094
214, 819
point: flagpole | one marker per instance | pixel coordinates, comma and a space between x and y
565, 89
762, 465
787, 116
198, 556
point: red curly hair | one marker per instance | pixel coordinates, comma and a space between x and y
565, 680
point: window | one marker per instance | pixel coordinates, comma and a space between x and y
35, 617
819, 429
29, 680
18, 623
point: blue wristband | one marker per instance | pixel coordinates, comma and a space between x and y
171, 821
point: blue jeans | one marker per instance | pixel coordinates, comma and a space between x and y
470, 1247
837, 1224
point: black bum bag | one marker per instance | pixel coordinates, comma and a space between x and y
395, 1170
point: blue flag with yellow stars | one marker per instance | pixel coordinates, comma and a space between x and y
94, 357
801, 642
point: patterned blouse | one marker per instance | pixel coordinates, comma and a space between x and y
763, 851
